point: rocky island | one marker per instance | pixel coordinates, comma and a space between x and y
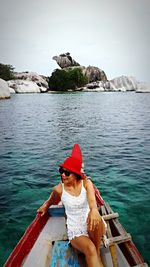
70, 76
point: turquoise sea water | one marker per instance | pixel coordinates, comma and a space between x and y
37, 132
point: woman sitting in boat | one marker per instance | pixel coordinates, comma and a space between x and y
85, 226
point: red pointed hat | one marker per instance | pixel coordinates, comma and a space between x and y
74, 162
76, 152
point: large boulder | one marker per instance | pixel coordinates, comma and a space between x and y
23, 86
122, 83
40, 80
95, 74
4, 90
11, 90
65, 60
97, 86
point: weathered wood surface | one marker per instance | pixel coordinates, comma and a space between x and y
65, 256
141, 265
122, 262
110, 216
40, 254
112, 246
27, 241
134, 256
115, 255
106, 257
56, 211
119, 239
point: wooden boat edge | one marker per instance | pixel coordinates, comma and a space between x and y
26, 243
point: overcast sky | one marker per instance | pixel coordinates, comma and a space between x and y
113, 35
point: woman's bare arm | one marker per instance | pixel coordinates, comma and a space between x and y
54, 198
94, 217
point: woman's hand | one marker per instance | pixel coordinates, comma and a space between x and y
43, 209
94, 219
54, 199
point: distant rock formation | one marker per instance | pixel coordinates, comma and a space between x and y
65, 61
119, 84
92, 73
97, 79
4, 90
31, 82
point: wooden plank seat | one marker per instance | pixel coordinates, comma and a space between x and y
64, 255
57, 211
113, 215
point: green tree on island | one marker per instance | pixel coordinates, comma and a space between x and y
62, 80
6, 72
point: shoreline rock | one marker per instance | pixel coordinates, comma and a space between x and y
143, 88
23, 86
28, 82
40, 80
31, 82
4, 90
118, 84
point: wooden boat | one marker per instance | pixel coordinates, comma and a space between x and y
45, 243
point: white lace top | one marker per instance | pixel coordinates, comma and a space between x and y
77, 210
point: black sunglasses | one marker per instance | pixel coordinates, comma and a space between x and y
61, 171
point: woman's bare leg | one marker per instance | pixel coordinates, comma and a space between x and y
86, 246
96, 236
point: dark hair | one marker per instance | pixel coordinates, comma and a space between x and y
78, 176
